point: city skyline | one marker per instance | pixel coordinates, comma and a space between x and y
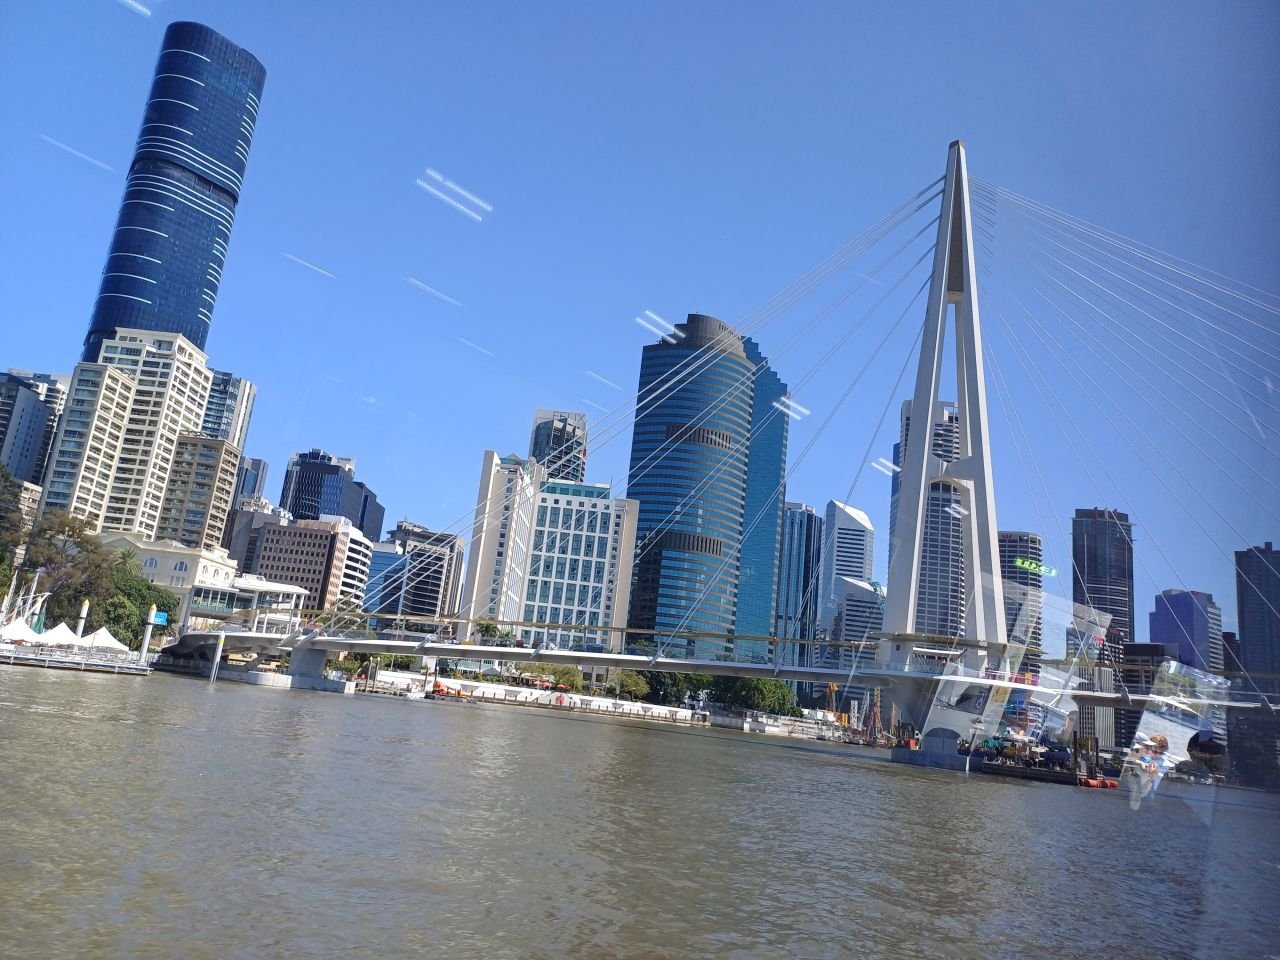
1196, 571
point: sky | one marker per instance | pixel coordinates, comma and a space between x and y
674, 158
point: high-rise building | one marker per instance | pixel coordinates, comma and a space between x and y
1191, 623
226, 415
251, 480
30, 404
501, 540
328, 556
384, 557
170, 243
759, 555
692, 448
198, 497
1022, 571
799, 567
1102, 580
1102, 571
578, 576
428, 581
559, 443
1257, 603
88, 443
848, 547
317, 483
942, 595
243, 536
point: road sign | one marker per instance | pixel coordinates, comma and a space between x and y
161, 619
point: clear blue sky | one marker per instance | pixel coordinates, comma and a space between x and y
663, 156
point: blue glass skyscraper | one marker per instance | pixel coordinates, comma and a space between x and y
170, 242
693, 469
762, 519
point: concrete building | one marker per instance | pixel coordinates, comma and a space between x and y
317, 483
30, 404
427, 582
243, 534
848, 546
197, 499
277, 605
942, 593
577, 582
1191, 623
328, 556
176, 567
559, 442
1022, 572
230, 406
168, 390
88, 443
501, 540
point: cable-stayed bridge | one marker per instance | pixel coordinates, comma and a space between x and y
1081, 297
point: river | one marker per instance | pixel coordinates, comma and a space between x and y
162, 817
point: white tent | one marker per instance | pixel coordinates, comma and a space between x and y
17, 630
101, 639
62, 636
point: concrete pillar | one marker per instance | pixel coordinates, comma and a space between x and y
308, 662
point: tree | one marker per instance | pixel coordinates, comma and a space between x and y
629, 685
487, 629
562, 675
121, 617
754, 693
140, 593
71, 563
13, 526
673, 689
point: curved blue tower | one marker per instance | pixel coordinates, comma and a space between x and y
689, 457
170, 242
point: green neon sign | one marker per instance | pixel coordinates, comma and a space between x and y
1024, 563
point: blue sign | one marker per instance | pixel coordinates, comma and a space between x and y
161, 619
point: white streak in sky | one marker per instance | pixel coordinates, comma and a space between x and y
76, 153
592, 403
135, 7
488, 208
434, 176
595, 376
660, 334
474, 346
369, 400
449, 200
432, 290
309, 266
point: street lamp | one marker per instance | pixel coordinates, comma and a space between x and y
977, 728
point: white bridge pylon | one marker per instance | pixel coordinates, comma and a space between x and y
953, 292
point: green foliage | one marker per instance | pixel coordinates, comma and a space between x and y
121, 617
72, 564
563, 675
673, 689
629, 685
754, 693
487, 629
139, 593
12, 523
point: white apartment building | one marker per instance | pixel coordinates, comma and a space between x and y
88, 442
501, 537
168, 390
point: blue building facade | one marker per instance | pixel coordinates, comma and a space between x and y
690, 455
170, 242
1191, 621
317, 484
797, 599
762, 517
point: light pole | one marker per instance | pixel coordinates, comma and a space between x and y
84, 615
978, 727
146, 636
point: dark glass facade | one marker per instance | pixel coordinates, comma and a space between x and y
1102, 572
317, 484
559, 443
799, 563
166, 256
762, 518
1257, 600
690, 451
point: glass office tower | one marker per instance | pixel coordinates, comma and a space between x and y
170, 241
691, 452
